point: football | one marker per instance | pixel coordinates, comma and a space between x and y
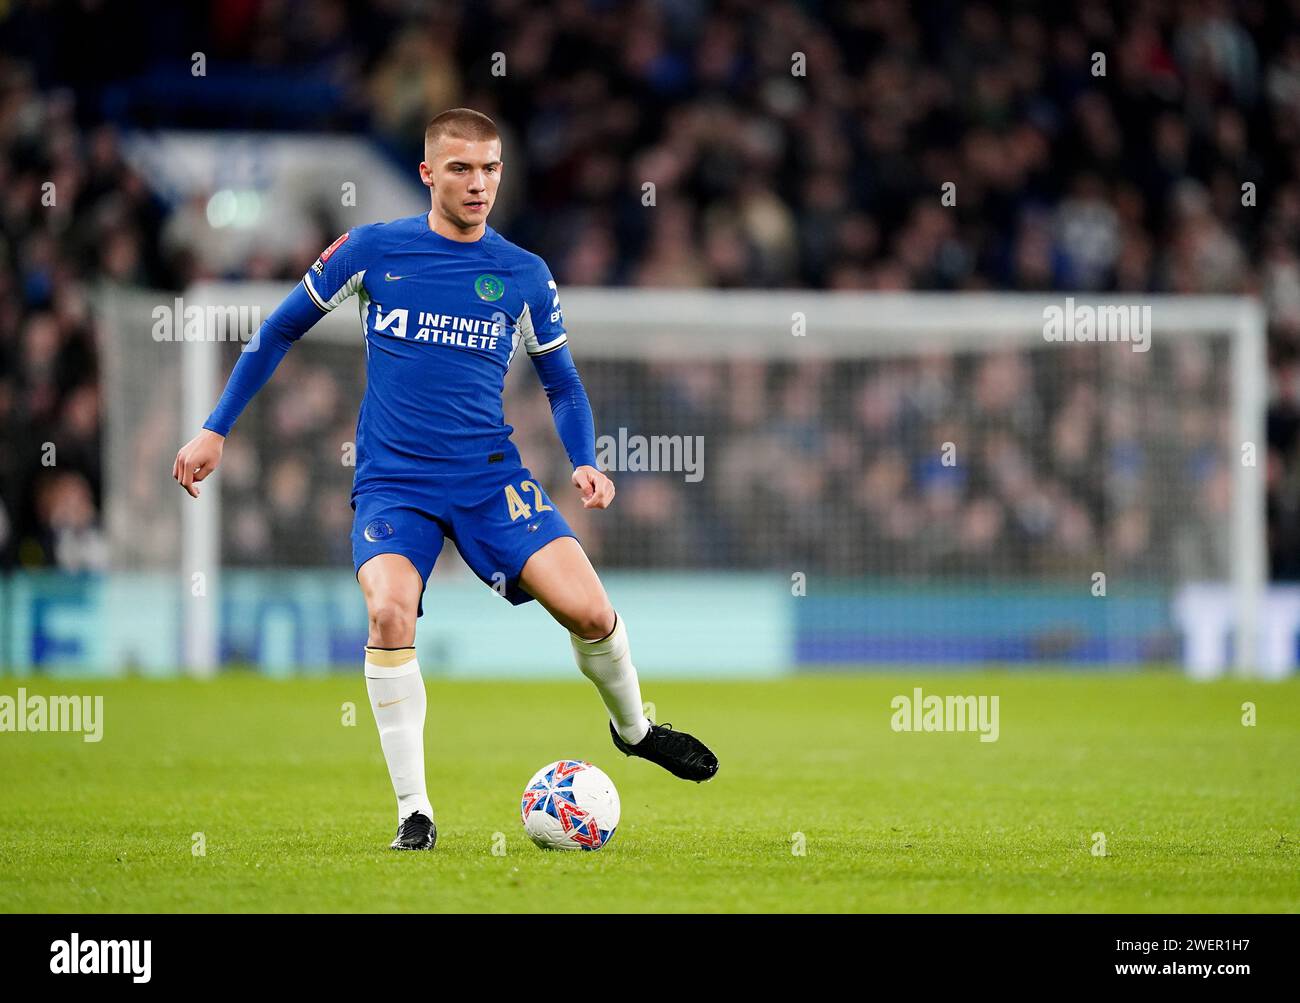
570, 805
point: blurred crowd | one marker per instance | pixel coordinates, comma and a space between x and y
789, 145
1054, 461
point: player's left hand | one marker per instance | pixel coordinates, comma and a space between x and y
597, 489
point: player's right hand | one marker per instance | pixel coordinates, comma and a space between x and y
198, 458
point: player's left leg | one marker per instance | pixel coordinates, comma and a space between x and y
560, 577
512, 537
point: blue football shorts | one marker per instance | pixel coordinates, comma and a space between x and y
495, 512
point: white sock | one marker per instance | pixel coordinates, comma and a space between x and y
608, 664
398, 700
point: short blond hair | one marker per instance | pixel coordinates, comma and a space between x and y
459, 123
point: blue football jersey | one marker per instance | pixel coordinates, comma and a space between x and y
442, 320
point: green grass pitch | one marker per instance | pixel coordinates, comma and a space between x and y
1199, 812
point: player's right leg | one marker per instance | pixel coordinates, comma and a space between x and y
394, 549
392, 589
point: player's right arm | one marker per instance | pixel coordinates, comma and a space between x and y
331, 280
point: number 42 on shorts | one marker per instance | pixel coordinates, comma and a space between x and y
518, 507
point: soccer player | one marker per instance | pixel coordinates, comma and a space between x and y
445, 301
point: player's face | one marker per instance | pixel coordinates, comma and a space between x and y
463, 176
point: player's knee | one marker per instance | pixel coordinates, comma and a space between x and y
594, 621
392, 622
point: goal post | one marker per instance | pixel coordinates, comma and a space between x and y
1165, 483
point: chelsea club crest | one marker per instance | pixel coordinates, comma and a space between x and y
489, 288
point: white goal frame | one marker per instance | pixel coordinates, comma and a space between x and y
710, 324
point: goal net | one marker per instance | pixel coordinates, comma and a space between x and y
935, 478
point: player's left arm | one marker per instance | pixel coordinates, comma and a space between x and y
571, 411
546, 342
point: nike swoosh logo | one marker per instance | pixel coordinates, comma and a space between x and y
390, 277
389, 703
